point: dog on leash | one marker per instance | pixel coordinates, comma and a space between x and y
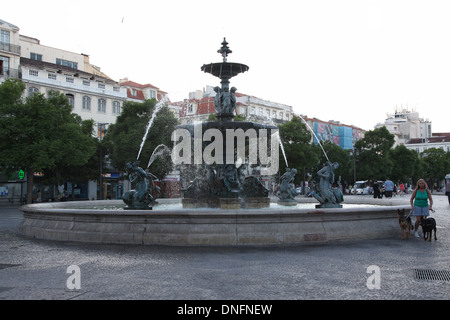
428, 225
405, 223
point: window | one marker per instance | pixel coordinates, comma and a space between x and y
66, 63
4, 40
86, 83
134, 92
69, 79
52, 76
117, 89
4, 37
34, 73
116, 107
35, 56
101, 85
101, 105
86, 103
190, 108
152, 94
4, 65
71, 99
32, 91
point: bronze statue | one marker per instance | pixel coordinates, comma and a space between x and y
141, 196
287, 191
328, 196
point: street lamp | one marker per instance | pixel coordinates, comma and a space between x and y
355, 153
101, 133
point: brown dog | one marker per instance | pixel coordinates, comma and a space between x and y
405, 223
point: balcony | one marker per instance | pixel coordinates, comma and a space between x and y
10, 73
11, 48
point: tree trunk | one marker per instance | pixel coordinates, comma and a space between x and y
30, 186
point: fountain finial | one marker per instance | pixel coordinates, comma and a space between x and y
224, 50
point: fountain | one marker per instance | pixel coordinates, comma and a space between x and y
224, 205
222, 182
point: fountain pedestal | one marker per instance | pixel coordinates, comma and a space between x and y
222, 181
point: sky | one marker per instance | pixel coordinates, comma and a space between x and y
353, 61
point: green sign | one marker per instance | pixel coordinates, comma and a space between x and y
21, 174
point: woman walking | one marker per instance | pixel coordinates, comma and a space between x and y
421, 203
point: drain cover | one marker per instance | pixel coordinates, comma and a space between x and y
426, 274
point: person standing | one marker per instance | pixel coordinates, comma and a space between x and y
402, 188
421, 203
388, 188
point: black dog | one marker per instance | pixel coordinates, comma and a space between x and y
428, 225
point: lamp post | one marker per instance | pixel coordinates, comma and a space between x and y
101, 128
355, 154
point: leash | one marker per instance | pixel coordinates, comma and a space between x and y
409, 215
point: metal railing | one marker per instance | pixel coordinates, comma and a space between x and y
10, 73
4, 46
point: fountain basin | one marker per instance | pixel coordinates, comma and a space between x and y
68, 221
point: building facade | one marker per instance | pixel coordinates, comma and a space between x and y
9, 51
92, 94
437, 140
200, 106
406, 125
340, 134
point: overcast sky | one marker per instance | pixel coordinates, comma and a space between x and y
352, 61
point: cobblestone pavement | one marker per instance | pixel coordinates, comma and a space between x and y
369, 269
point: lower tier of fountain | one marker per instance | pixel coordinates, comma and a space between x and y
82, 222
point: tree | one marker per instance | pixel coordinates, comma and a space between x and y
436, 164
40, 134
124, 138
336, 154
301, 154
405, 163
373, 154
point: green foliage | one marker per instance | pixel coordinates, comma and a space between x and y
41, 134
336, 154
436, 163
300, 153
374, 162
405, 163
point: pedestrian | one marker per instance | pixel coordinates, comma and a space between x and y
447, 190
388, 188
402, 188
376, 190
421, 203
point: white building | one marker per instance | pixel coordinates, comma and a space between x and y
437, 140
201, 104
406, 125
9, 51
92, 94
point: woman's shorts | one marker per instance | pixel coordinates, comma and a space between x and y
419, 211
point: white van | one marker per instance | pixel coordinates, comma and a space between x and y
362, 187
